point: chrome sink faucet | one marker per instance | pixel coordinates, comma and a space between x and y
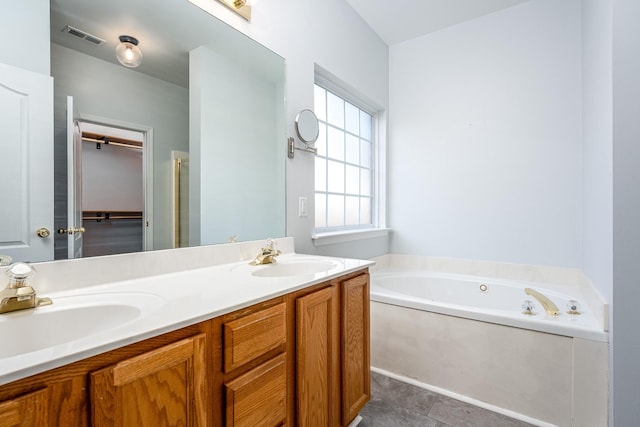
267, 254
18, 295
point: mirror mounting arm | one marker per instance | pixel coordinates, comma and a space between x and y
291, 147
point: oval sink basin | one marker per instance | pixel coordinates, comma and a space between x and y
295, 268
69, 319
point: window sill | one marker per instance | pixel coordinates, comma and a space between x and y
321, 239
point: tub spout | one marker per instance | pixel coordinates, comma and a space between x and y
549, 307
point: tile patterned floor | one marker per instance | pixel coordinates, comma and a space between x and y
397, 404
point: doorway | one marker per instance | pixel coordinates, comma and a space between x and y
113, 190
69, 207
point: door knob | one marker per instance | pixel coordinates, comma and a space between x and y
71, 230
43, 232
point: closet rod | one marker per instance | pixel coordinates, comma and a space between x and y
87, 218
101, 215
110, 142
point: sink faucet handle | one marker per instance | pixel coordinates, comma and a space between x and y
271, 247
18, 274
5, 260
18, 295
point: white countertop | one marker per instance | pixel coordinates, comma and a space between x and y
164, 303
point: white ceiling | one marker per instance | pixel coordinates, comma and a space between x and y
398, 21
167, 31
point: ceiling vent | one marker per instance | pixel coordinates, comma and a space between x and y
97, 41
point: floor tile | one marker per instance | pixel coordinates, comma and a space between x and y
379, 413
402, 394
460, 414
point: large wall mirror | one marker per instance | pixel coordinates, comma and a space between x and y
206, 104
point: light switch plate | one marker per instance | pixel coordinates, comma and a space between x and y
302, 206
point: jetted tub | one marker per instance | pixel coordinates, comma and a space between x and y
466, 336
486, 299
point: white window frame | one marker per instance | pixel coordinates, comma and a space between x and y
379, 182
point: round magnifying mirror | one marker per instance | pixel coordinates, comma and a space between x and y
307, 126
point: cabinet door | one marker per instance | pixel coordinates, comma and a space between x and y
164, 387
355, 346
29, 410
317, 368
259, 397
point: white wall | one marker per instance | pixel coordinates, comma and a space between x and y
239, 190
24, 30
597, 151
328, 33
485, 138
626, 205
597, 147
112, 178
103, 89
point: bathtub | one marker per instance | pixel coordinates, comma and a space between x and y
486, 299
465, 336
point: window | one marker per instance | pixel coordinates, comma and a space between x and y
344, 165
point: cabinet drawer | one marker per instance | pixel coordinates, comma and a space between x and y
253, 335
258, 398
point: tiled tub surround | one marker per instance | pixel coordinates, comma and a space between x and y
539, 377
192, 285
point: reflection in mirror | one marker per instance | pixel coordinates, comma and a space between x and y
307, 127
203, 90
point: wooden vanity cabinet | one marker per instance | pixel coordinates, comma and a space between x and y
301, 359
62, 397
163, 387
254, 366
332, 351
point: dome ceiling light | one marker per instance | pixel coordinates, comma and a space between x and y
128, 52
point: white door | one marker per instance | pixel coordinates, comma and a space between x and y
74, 182
26, 164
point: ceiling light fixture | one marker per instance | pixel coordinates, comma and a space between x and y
241, 7
128, 52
